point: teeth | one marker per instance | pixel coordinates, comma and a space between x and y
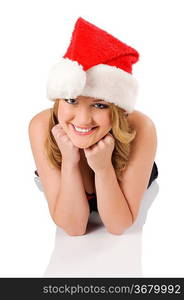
82, 130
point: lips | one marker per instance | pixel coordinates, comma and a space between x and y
84, 127
84, 133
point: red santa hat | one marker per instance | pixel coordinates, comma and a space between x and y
97, 65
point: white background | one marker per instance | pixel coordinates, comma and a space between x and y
34, 35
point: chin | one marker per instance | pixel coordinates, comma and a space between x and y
83, 145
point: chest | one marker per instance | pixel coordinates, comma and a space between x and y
88, 178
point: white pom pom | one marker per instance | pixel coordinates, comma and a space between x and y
66, 80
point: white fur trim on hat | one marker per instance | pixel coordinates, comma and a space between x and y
66, 80
111, 84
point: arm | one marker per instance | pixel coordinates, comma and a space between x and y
71, 210
112, 205
119, 203
63, 187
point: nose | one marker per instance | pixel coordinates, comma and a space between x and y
83, 117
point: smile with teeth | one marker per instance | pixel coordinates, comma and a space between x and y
82, 130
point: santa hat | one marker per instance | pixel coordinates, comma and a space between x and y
97, 65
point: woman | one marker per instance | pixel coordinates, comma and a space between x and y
92, 150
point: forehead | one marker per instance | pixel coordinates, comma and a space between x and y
90, 99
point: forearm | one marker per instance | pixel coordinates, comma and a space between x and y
112, 205
72, 208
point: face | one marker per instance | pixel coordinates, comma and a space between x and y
93, 115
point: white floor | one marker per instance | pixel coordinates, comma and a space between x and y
32, 246
37, 248
100, 254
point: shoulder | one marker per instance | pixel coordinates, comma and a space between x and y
41, 117
146, 134
40, 121
139, 120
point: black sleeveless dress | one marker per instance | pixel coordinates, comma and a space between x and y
92, 197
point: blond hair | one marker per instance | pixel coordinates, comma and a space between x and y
121, 131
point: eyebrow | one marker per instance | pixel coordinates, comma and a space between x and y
98, 100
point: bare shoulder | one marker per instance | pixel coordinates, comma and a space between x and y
146, 135
39, 123
139, 120
41, 117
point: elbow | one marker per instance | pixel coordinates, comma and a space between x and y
119, 229
69, 229
115, 232
74, 231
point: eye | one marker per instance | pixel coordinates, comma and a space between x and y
103, 105
67, 100
72, 101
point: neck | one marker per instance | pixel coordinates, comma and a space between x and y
82, 155
83, 161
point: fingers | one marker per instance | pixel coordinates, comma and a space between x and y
57, 126
57, 130
108, 138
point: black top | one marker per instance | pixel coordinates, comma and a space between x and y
92, 197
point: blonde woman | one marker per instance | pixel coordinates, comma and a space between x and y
92, 150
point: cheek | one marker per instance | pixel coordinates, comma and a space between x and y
105, 121
64, 114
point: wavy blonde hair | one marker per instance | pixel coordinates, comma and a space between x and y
121, 131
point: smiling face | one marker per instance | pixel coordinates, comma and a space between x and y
86, 112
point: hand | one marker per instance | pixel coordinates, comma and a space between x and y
99, 155
70, 152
